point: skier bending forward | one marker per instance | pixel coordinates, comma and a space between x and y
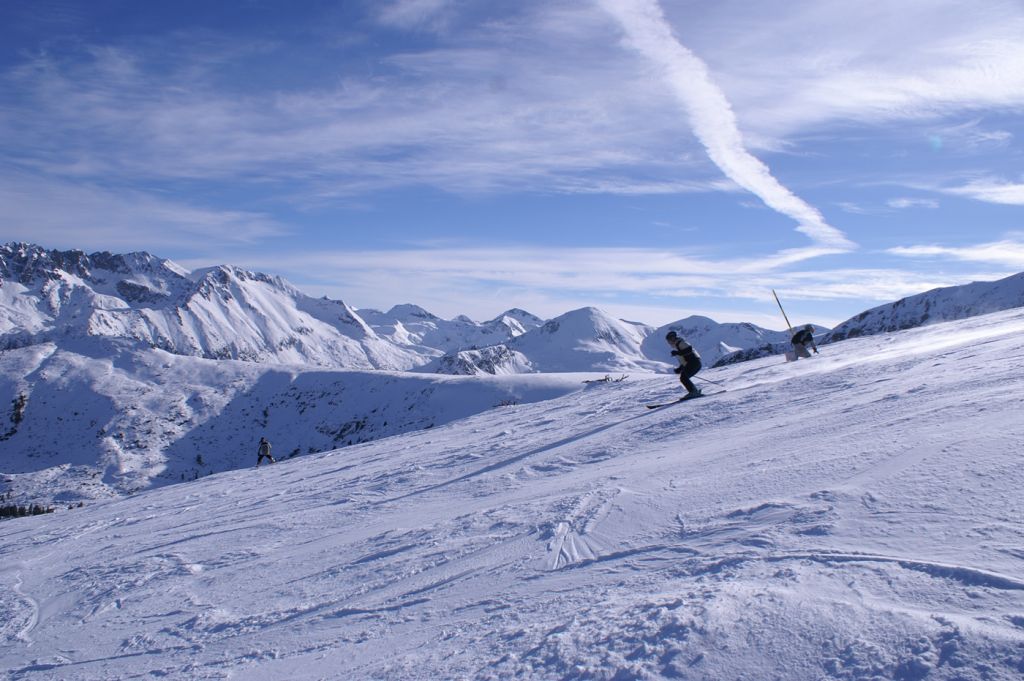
689, 362
801, 339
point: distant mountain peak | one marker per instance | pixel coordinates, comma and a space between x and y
29, 262
408, 310
518, 312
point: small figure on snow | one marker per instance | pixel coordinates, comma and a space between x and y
264, 451
689, 362
802, 339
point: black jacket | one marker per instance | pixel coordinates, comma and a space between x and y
803, 337
685, 352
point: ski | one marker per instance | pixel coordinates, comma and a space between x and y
662, 404
684, 398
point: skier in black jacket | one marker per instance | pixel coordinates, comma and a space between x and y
801, 339
689, 362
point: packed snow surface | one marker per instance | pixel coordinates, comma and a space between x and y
857, 515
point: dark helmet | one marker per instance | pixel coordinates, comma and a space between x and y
809, 327
670, 335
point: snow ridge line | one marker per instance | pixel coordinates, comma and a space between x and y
966, 575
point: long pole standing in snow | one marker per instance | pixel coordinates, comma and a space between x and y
790, 326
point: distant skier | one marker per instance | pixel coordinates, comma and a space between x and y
803, 338
264, 451
689, 362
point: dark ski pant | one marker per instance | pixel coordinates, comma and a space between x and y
686, 372
262, 456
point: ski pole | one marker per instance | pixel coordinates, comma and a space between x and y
708, 380
783, 311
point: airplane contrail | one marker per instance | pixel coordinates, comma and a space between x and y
712, 117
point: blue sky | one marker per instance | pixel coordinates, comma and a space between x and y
652, 159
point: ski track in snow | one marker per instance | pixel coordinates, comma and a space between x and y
853, 516
19, 612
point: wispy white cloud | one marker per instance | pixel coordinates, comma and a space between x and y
536, 98
991, 191
711, 115
1009, 253
408, 14
649, 285
891, 205
64, 214
872, 63
504, 107
857, 209
904, 202
970, 136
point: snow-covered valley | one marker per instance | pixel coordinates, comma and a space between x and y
858, 515
98, 418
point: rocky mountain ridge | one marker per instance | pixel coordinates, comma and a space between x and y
938, 305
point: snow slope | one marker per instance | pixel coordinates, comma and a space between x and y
854, 516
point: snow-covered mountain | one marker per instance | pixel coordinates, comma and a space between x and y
590, 338
937, 305
409, 325
586, 339
766, 532
227, 312
221, 312
495, 359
